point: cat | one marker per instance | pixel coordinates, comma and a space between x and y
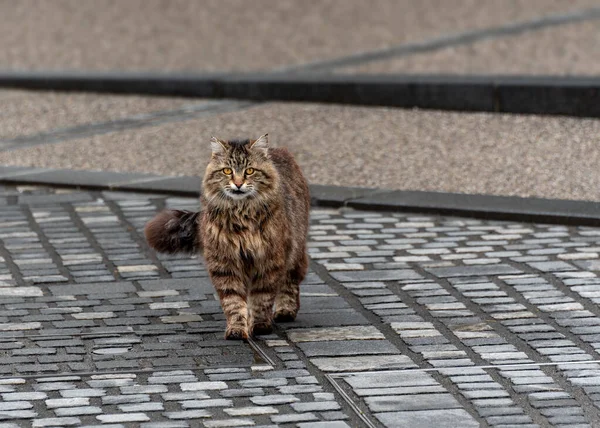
251, 229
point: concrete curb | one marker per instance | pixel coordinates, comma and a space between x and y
556, 211
572, 96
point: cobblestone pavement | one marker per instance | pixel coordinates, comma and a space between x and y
406, 321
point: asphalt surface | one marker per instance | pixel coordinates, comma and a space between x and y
220, 35
568, 50
552, 157
30, 113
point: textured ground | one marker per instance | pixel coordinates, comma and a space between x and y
377, 147
552, 157
566, 50
231, 35
26, 113
408, 318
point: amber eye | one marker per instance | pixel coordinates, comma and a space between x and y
227, 171
249, 171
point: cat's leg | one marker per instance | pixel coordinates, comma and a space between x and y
261, 298
232, 294
287, 302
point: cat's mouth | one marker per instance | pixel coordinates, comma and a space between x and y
238, 194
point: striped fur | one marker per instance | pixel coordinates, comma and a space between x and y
174, 231
253, 229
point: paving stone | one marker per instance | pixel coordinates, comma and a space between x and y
381, 275
165, 424
417, 402
251, 411
330, 424
201, 404
335, 333
244, 392
290, 418
202, 386
67, 402
366, 362
267, 400
17, 414
450, 418
458, 271
55, 422
385, 379
347, 347
253, 383
317, 406
24, 396
15, 405
176, 396
229, 423
79, 289
122, 399
125, 417
188, 414
299, 389
142, 407
78, 411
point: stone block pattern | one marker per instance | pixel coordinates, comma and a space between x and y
406, 320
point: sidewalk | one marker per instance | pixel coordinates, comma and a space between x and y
407, 320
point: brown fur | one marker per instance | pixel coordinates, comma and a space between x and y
174, 231
254, 246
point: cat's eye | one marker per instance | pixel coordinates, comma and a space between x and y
227, 171
249, 171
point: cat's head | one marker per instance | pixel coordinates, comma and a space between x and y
239, 170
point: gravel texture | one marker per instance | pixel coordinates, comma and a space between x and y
27, 113
554, 157
229, 34
566, 50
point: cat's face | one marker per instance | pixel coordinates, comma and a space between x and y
238, 170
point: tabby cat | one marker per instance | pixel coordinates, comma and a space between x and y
251, 230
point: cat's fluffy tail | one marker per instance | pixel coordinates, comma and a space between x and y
174, 231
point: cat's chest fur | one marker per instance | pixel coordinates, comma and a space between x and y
249, 239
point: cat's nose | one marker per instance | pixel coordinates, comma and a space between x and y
238, 183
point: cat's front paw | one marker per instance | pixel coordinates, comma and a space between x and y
284, 315
236, 333
262, 328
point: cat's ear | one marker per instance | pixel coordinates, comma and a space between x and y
218, 146
262, 143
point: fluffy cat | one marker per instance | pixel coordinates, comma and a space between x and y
251, 230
